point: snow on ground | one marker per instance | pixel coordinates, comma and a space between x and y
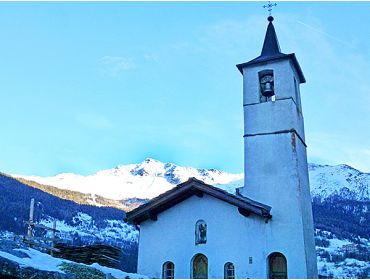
46, 262
36, 260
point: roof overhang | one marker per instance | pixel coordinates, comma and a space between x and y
187, 189
281, 56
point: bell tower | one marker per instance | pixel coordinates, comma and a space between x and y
275, 158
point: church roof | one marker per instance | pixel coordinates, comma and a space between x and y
271, 51
189, 188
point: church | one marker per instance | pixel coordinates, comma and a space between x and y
265, 229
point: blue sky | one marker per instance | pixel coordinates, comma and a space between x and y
86, 86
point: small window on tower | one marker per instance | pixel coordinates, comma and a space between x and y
297, 95
267, 91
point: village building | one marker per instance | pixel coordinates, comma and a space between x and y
265, 230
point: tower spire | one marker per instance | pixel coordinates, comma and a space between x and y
271, 44
271, 49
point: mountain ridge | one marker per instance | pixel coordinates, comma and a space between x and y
151, 177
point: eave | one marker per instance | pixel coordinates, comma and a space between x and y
281, 56
187, 189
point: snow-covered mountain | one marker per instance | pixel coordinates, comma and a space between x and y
341, 180
143, 180
152, 177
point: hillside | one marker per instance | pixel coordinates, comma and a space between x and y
340, 206
78, 224
81, 198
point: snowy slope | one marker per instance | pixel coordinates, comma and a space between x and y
41, 261
342, 258
151, 178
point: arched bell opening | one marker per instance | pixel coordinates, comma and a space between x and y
267, 87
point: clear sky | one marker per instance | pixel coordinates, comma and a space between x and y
87, 86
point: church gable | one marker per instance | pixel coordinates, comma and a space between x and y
196, 187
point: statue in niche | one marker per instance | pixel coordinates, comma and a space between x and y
201, 232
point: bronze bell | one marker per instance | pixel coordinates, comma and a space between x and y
267, 90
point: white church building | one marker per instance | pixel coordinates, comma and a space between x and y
265, 230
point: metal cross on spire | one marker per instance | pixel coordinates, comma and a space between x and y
269, 6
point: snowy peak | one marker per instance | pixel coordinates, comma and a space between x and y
175, 174
150, 167
341, 180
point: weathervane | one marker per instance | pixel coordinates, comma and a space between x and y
269, 6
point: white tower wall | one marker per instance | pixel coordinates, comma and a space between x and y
275, 164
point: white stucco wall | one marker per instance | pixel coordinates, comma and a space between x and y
269, 117
231, 237
308, 229
274, 177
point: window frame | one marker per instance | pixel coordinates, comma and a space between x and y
168, 270
229, 270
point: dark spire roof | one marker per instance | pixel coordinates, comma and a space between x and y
271, 51
270, 45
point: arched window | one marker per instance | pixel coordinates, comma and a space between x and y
199, 267
200, 232
277, 266
168, 271
229, 271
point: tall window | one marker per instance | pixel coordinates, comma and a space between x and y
200, 232
229, 271
168, 271
277, 266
